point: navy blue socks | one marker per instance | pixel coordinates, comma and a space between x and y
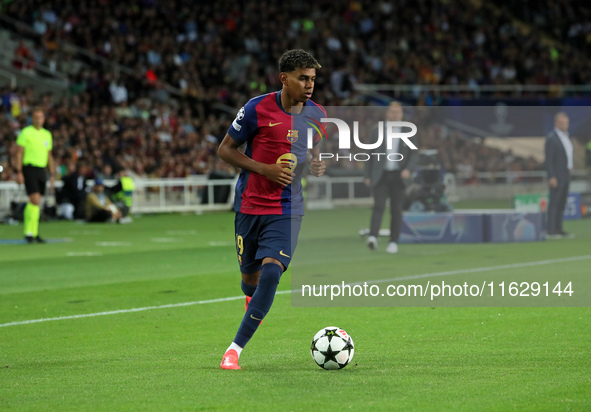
261, 302
248, 289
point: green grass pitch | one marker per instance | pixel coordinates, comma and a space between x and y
167, 358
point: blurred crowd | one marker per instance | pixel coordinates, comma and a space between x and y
220, 54
235, 44
467, 157
155, 140
568, 21
148, 138
455, 154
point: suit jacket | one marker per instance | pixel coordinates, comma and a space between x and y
71, 192
556, 160
374, 168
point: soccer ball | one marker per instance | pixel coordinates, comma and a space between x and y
332, 348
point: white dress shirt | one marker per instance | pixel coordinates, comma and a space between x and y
568, 147
393, 165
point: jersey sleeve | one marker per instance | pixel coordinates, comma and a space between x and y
244, 125
50, 140
21, 140
320, 113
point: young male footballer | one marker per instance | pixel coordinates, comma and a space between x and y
269, 202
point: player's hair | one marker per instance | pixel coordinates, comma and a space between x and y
37, 109
297, 59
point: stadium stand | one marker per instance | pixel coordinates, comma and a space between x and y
175, 74
152, 139
566, 21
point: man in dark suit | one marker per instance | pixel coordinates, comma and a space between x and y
386, 179
559, 163
73, 191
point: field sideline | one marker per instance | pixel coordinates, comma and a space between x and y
168, 359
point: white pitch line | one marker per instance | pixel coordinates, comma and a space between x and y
116, 312
283, 292
76, 254
113, 244
181, 232
482, 269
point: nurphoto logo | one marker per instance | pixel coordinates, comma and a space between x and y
388, 131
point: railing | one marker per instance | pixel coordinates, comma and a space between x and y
13, 192
56, 77
19, 26
194, 194
199, 194
11, 77
509, 178
181, 195
474, 90
327, 192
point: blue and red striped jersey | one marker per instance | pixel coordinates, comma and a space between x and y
273, 135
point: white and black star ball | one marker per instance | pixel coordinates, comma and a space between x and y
332, 348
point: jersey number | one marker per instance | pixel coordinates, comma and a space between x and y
239, 244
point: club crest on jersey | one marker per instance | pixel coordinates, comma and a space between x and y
292, 136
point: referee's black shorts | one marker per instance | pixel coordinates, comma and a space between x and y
35, 179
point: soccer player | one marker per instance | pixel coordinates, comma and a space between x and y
269, 203
34, 145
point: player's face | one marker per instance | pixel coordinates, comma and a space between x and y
394, 113
38, 118
300, 84
562, 123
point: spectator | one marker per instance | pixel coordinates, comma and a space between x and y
118, 92
23, 58
106, 173
99, 208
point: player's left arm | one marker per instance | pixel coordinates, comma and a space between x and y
317, 166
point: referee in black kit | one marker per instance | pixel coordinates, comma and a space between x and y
34, 145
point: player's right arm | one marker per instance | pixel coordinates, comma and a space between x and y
229, 152
20, 150
244, 128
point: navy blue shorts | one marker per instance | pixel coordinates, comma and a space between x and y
261, 236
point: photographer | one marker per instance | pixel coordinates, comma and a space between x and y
98, 206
